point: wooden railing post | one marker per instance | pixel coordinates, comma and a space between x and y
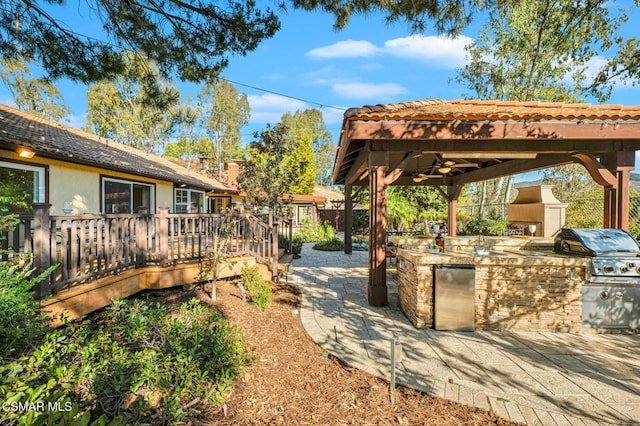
41, 246
163, 236
275, 250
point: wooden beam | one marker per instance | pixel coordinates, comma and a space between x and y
504, 146
358, 167
511, 167
486, 130
598, 172
399, 169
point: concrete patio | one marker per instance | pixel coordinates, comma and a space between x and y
533, 378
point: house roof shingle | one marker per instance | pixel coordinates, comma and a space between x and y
55, 140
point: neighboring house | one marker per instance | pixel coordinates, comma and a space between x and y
76, 172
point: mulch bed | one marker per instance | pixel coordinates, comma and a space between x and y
293, 381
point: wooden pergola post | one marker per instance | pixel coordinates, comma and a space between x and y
616, 196
453, 192
348, 219
377, 290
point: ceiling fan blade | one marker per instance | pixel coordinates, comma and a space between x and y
461, 165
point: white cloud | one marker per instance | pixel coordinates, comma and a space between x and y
268, 108
345, 49
368, 90
442, 51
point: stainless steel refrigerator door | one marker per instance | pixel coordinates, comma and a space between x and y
454, 297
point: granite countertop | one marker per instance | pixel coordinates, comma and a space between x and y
505, 257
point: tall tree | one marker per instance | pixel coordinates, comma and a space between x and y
310, 122
266, 174
185, 118
136, 109
35, 95
300, 163
537, 51
190, 39
224, 112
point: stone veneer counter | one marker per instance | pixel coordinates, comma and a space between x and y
514, 289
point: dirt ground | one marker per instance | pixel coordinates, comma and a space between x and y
294, 382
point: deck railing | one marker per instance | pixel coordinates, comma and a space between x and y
89, 246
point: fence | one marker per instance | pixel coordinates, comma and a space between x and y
580, 213
87, 247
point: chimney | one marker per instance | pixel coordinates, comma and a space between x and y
233, 170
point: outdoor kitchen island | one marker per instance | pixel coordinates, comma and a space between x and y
520, 283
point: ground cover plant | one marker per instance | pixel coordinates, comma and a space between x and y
133, 362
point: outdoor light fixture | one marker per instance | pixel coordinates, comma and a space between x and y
25, 152
416, 178
444, 170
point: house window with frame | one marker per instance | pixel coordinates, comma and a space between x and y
122, 196
21, 185
219, 204
305, 214
188, 201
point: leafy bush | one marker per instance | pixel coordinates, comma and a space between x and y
258, 288
295, 244
485, 226
330, 244
310, 233
21, 325
132, 362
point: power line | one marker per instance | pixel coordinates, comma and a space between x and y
321, 105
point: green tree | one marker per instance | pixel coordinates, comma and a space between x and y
540, 50
190, 39
301, 164
266, 174
185, 119
401, 213
310, 122
137, 109
224, 113
35, 95
536, 51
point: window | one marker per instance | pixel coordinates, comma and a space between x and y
121, 196
219, 204
305, 214
20, 186
189, 201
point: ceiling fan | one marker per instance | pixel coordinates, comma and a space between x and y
443, 168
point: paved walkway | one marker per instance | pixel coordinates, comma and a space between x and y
534, 378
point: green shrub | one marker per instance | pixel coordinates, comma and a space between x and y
485, 226
295, 244
132, 362
256, 286
330, 244
21, 325
313, 233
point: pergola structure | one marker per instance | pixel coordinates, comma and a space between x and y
449, 144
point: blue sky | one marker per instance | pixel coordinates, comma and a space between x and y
369, 62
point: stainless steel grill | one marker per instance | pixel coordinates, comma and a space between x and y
611, 295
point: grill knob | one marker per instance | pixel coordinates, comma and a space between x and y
608, 268
631, 265
624, 269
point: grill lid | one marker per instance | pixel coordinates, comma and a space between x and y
596, 242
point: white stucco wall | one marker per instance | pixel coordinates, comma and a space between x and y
80, 185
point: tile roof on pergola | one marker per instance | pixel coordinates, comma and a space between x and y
449, 144
428, 129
